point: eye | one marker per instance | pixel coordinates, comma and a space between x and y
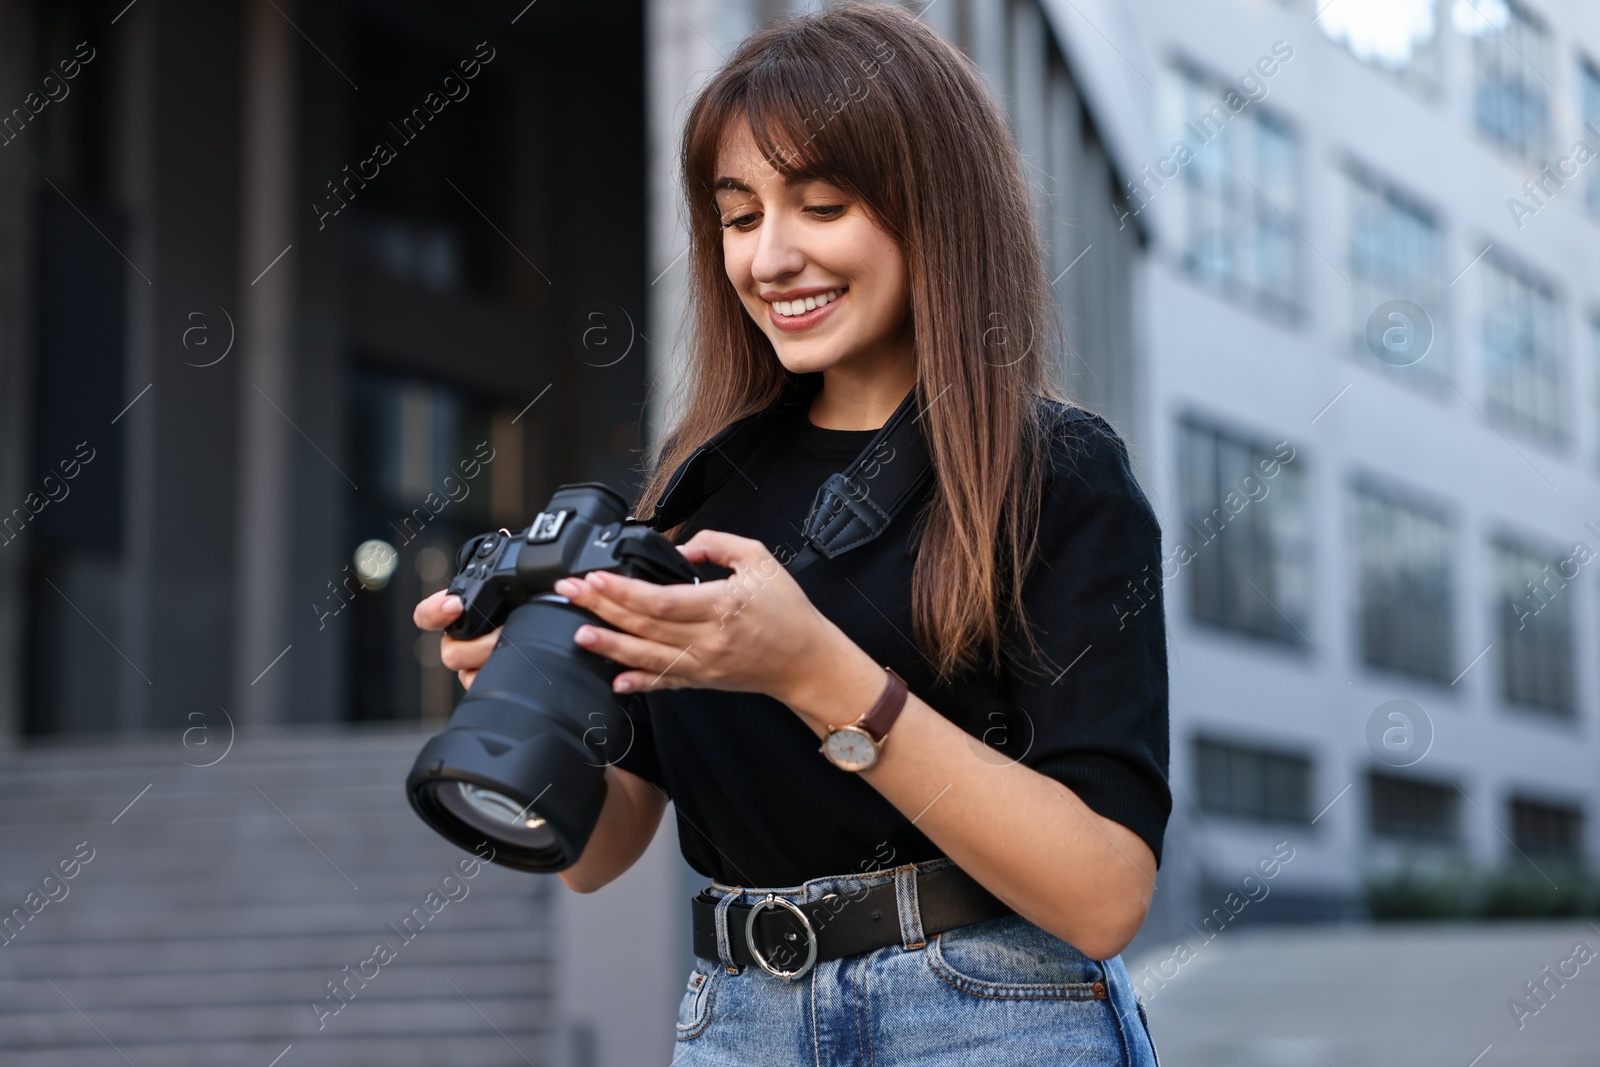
741, 222
826, 211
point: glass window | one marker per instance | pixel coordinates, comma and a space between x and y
1512, 67
1396, 253
1533, 616
1541, 829
436, 464
1253, 783
1522, 352
1410, 810
1400, 37
1403, 561
1240, 194
1589, 75
1594, 351
1246, 543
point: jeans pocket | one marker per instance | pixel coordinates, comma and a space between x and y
694, 1011
1012, 959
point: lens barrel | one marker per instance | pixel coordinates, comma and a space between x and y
521, 763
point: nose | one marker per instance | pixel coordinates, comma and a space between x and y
778, 254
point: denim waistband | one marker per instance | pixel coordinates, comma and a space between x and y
816, 888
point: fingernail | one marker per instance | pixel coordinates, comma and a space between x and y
454, 603
622, 685
599, 579
585, 635
567, 587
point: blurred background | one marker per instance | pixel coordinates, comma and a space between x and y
296, 296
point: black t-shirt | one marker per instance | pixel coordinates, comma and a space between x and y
759, 805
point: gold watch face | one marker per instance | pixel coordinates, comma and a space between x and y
850, 748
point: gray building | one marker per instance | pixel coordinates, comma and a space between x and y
1375, 248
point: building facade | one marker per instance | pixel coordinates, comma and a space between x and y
285, 282
1371, 347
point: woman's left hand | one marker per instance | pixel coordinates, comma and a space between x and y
754, 631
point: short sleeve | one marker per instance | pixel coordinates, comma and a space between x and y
1097, 703
640, 756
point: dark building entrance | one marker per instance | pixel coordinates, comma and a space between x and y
311, 292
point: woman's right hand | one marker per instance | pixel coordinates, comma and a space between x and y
463, 657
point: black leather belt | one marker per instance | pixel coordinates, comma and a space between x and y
786, 938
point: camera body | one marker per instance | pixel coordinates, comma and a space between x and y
500, 571
521, 764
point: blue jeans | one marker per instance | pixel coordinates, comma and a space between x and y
993, 993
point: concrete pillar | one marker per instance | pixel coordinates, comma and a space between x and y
178, 172
988, 30
16, 379
262, 493
684, 43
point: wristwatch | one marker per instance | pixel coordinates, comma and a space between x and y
855, 746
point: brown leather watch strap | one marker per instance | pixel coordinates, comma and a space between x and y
887, 709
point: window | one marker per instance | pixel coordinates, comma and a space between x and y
1511, 59
1399, 37
1533, 609
1239, 186
436, 464
1522, 352
1541, 829
1396, 253
1246, 543
1406, 809
1403, 554
1589, 75
1594, 351
1252, 783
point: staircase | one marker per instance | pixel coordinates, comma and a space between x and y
212, 909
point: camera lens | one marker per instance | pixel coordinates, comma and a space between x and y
498, 806
522, 763
494, 813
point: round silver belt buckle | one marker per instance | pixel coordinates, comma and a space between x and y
772, 900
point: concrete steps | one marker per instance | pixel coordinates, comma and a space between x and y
215, 910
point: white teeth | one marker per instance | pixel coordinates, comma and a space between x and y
791, 308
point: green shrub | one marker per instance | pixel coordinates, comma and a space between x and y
1413, 894
1511, 891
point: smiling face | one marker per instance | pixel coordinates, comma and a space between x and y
826, 285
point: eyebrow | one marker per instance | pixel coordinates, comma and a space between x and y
801, 176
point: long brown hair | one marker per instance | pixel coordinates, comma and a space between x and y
868, 97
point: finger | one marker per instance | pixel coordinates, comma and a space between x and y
648, 681
668, 603
612, 612
466, 678
467, 655
437, 611
724, 549
631, 651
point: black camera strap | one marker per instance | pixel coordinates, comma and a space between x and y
851, 508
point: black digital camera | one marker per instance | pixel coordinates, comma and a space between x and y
522, 761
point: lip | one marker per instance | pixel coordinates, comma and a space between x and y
801, 294
798, 323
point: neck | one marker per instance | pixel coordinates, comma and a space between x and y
852, 400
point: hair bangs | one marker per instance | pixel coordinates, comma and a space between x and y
811, 114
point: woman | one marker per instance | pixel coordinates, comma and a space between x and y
951, 878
